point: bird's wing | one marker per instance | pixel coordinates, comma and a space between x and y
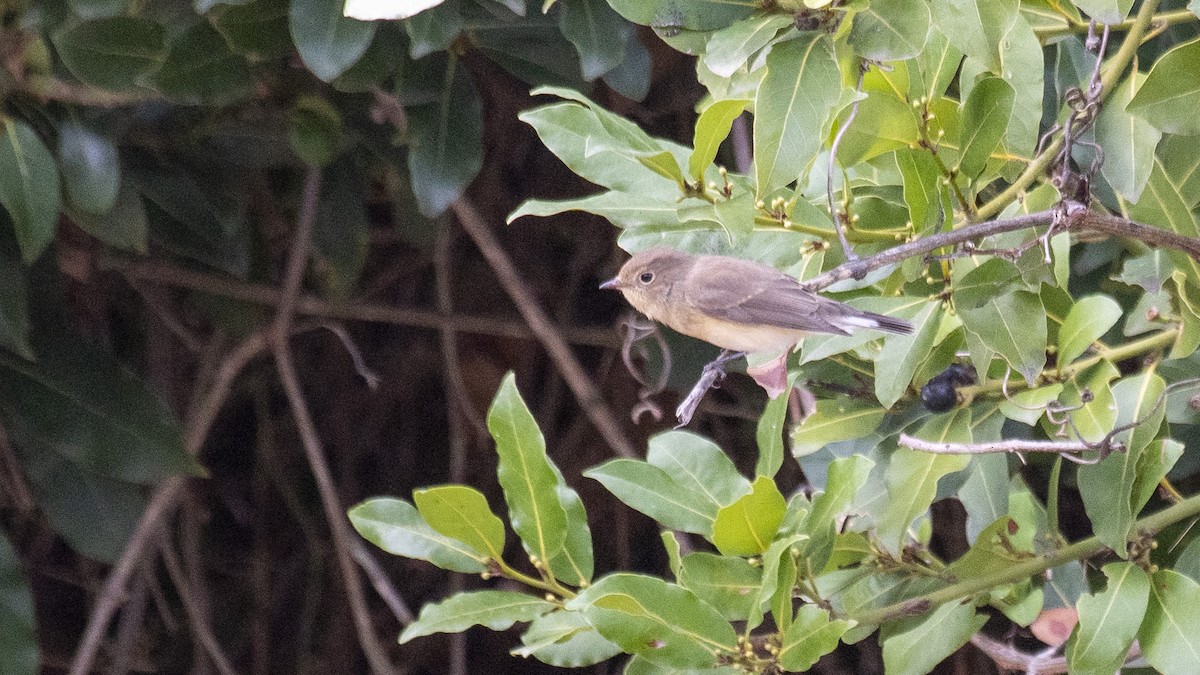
749, 293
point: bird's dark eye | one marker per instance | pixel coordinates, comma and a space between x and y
646, 277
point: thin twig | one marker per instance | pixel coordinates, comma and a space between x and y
1011, 445
343, 540
383, 586
456, 386
590, 399
195, 617
163, 273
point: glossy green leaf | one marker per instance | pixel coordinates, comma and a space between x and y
1170, 634
434, 29
935, 67
124, 226
730, 585
662, 622
525, 473
912, 476
1012, 324
565, 639
792, 109
811, 636
81, 405
835, 420
770, 433
1089, 319
91, 170
18, 631
1128, 142
1105, 11
649, 490
395, 526
1163, 205
112, 53
985, 117
1109, 620
200, 68
846, 477
730, 48
1180, 157
885, 123
664, 164
1106, 486
619, 208
747, 526
447, 143
575, 564
994, 550
1096, 417
497, 610
14, 307
631, 77
258, 30
598, 33
1027, 406
890, 30
29, 187
1018, 61
328, 42
462, 513
699, 467
671, 15
1169, 99
903, 354
712, 127
915, 645
977, 27
778, 577
1157, 459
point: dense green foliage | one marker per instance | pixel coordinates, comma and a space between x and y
1018, 183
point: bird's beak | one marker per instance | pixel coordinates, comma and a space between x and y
612, 284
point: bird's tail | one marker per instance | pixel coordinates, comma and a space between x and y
886, 324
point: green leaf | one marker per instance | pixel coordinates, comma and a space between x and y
314, 129
526, 474
1109, 621
778, 578
1163, 205
890, 30
619, 208
729, 48
81, 405
835, 420
1169, 99
434, 29
1180, 157
1095, 418
1157, 459
1088, 321
1105, 11
1012, 324
698, 466
258, 31
497, 610
649, 490
565, 639
1170, 635
200, 68
931, 72
664, 164
747, 526
1128, 142
792, 109
730, 585
96, 9
846, 477
395, 526
123, 226
1029, 405
575, 564
912, 476
671, 15
446, 143
111, 53
341, 233
811, 636
598, 33
90, 167
885, 123
1107, 486
915, 645
18, 631
994, 551
664, 623
770, 433
977, 27
712, 127
462, 513
328, 42
903, 354
29, 188
985, 117
14, 307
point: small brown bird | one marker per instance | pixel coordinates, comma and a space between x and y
738, 305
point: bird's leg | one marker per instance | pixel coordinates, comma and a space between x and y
713, 372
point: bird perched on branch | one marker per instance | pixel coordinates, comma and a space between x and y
742, 306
